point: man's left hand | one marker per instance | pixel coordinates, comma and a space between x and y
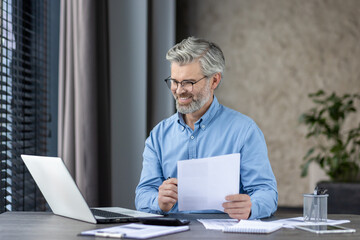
238, 206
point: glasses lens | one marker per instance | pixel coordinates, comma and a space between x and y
168, 83
173, 85
187, 86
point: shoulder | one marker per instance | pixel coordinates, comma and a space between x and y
246, 125
164, 125
236, 118
159, 132
239, 122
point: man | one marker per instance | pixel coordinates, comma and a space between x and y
204, 128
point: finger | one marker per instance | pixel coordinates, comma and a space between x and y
168, 193
239, 216
172, 181
166, 204
169, 184
236, 204
168, 190
169, 187
236, 210
237, 197
167, 200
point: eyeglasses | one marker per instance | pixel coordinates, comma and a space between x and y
186, 84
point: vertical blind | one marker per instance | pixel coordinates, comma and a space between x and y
24, 105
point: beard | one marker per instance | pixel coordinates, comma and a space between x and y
197, 102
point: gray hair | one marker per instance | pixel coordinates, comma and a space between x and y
209, 54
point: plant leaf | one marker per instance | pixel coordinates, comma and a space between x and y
310, 151
305, 168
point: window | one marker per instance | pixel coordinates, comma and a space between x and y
24, 99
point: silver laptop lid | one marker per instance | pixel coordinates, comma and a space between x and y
58, 187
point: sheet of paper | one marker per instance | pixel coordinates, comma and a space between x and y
204, 183
292, 222
135, 230
218, 224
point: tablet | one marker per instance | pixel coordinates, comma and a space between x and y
325, 229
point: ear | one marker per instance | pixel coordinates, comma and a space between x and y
215, 80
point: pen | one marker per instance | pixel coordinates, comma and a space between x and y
109, 235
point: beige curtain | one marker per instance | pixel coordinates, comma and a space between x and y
83, 124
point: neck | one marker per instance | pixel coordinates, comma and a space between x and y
191, 118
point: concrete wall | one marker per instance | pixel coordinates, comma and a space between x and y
277, 51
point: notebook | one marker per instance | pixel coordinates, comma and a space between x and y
64, 197
253, 226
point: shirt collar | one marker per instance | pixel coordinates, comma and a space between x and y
205, 119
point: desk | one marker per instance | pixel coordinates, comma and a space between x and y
40, 225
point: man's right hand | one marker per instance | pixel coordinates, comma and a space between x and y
168, 194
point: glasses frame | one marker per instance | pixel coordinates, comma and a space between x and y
182, 83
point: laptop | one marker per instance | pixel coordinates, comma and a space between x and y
64, 198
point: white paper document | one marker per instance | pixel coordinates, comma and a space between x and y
204, 183
218, 224
135, 230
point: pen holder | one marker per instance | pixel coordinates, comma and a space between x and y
315, 208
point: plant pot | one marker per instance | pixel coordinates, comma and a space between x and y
344, 198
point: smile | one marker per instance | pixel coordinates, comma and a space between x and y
184, 100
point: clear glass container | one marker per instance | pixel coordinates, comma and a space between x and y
315, 208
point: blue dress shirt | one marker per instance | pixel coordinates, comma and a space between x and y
219, 131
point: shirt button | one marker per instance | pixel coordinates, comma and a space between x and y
182, 128
203, 126
192, 137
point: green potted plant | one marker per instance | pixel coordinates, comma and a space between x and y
337, 148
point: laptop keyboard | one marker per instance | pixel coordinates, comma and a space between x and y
107, 214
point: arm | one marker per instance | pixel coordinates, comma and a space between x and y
258, 183
154, 194
146, 198
257, 177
